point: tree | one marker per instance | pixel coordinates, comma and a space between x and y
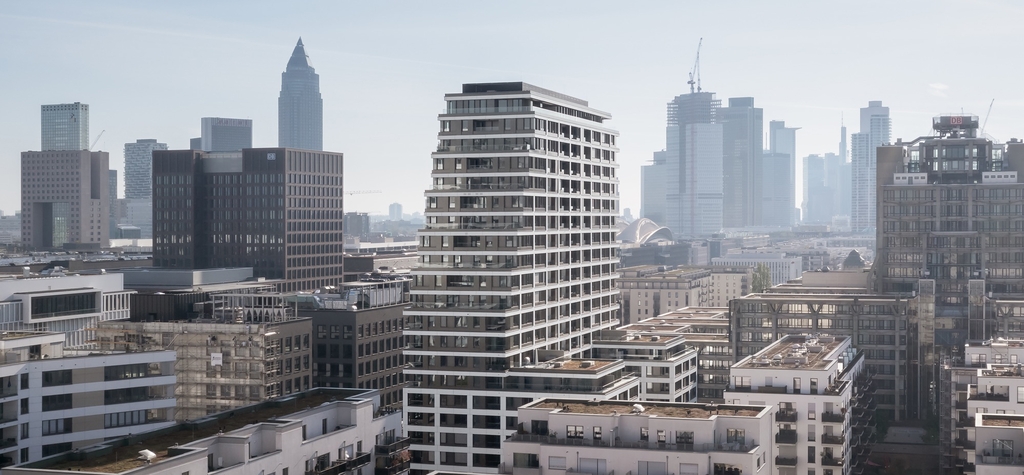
762, 279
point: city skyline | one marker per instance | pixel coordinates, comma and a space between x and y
371, 70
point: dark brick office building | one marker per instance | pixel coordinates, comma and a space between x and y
276, 210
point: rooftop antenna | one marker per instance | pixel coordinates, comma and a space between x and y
987, 114
696, 69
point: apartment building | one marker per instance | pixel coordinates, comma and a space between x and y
649, 291
729, 282
53, 402
707, 330
781, 267
357, 336
559, 436
825, 420
988, 380
63, 303
252, 348
891, 331
518, 261
317, 432
666, 364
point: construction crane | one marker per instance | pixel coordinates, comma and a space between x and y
983, 125
97, 139
362, 192
696, 69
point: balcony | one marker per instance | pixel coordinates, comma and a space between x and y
785, 416
838, 417
965, 444
833, 439
391, 445
785, 461
394, 469
786, 436
990, 397
761, 389
641, 444
832, 461
342, 466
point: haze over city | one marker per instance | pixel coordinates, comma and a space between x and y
152, 70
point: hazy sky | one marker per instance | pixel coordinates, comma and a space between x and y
151, 70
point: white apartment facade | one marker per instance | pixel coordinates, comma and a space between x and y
782, 268
53, 403
666, 364
69, 304
320, 432
809, 381
577, 436
518, 261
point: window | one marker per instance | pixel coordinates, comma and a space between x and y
128, 371
574, 432
56, 378
57, 402
812, 413
597, 432
556, 463
645, 434
661, 436
57, 426
736, 436
525, 460
1020, 393
685, 438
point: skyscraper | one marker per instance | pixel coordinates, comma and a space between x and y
276, 210
742, 126
844, 175
65, 198
817, 204
778, 176
300, 109
138, 168
395, 212
517, 268
65, 127
112, 194
682, 188
226, 135
875, 130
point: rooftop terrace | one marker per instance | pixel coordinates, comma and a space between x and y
1002, 420
795, 352
124, 453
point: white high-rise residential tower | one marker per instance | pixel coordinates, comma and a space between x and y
64, 127
517, 271
875, 130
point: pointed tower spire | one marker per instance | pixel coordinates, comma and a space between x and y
299, 57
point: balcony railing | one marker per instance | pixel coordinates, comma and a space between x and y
642, 444
990, 397
839, 417
391, 445
833, 439
832, 461
786, 436
342, 466
392, 470
785, 416
785, 461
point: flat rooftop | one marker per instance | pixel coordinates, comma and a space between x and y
795, 352
1002, 420
568, 365
124, 458
676, 410
997, 343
